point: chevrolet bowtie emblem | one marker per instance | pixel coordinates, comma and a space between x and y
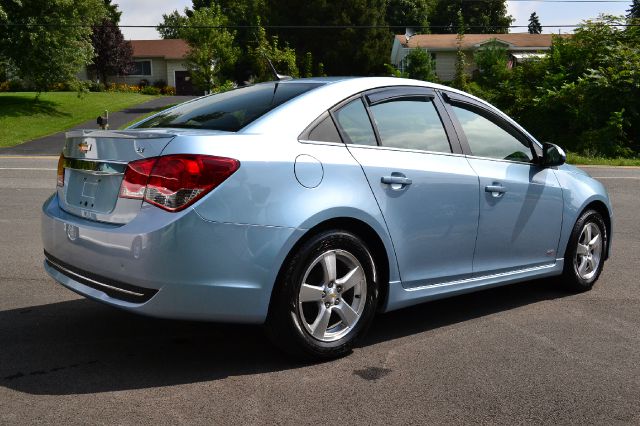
84, 147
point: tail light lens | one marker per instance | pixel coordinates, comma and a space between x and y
60, 177
136, 177
174, 182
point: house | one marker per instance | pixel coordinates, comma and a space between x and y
158, 60
443, 47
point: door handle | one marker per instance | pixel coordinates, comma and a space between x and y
396, 180
496, 190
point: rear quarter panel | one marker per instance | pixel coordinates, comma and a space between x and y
265, 192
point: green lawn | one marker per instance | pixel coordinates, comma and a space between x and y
601, 161
22, 118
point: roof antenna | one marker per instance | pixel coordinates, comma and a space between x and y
278, 77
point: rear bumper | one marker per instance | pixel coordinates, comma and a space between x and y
171, 265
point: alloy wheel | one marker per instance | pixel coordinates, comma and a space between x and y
332, 295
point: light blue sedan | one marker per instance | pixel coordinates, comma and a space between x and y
310, 205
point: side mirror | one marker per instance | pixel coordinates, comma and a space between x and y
552, 155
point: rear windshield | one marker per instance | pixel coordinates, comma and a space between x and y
229, 111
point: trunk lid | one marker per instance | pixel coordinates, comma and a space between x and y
95, 162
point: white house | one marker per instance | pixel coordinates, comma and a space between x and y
443, 47
158, 60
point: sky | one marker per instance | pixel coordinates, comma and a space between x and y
149, 12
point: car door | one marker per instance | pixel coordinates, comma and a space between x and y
426, 190
520, 202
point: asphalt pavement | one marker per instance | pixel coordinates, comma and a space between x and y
526, 353
53, 144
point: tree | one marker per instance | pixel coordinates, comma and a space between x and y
634, 10
172, 24
113, 54
409, 13
113, 14
492, 61
282, 58
460, 78
420, 65
343, 51
54, 52
481, 17
211, 53
534, 24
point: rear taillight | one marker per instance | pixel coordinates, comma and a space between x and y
60, 177
136, 177
174, 182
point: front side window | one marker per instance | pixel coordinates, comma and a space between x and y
141, 68
229, 111
354, 122
488, 139
410, 123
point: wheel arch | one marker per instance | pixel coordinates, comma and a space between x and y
363, 230
601, 208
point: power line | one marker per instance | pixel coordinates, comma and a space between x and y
300, 27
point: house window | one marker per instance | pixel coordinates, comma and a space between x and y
141, 68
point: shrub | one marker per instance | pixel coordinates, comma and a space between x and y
168, 90
11, 86
159, 84
150, 90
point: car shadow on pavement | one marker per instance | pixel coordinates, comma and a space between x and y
80, 346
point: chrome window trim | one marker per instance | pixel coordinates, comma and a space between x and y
476, 157
417, 151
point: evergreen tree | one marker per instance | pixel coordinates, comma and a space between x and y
481, 17
634, 10
534, 24
113, 14
420, 66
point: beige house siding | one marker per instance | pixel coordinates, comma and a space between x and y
172, 67
444, 47
158, 72
446, 65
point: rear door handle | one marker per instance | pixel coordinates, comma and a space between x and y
396, 180
496, 190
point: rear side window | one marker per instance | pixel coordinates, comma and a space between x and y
229, 111
410, 123
354, 122
325, 131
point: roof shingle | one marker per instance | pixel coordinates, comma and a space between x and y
449, 41
167, 48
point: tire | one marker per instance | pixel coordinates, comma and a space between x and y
323, 318
584, 257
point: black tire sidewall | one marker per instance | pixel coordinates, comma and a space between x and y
285, 313
570, 273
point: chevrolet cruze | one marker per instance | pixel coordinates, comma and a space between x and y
310, 205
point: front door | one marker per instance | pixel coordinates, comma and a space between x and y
184, 84
427, 194
520, 202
